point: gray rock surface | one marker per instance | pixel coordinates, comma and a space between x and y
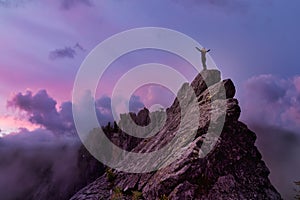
234, 169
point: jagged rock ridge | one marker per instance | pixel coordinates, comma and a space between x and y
232, 170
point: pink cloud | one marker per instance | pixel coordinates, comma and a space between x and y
10, 124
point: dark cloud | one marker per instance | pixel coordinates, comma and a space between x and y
67, 52
273, 101
135, 103
104, 110
41, 110
79, 47
68, 4
39, 165
35, 163
267, 87
104, 102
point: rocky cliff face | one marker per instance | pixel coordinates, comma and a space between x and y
233, 169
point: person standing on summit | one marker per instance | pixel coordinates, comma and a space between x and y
203, 56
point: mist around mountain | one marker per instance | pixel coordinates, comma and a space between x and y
40, 165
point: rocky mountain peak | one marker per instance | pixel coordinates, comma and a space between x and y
209, 166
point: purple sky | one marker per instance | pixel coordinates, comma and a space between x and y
43, 44
255, 43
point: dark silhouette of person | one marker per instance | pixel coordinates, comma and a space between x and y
203, 56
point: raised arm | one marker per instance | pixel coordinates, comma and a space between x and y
198, 49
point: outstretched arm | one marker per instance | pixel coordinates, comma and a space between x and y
198, 49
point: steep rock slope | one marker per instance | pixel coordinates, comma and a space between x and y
233, 169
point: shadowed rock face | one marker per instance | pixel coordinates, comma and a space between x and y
233, 169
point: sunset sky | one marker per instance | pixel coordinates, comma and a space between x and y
43, 43
253, 43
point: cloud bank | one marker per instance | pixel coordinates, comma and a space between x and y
39, 165
41, 109
273, 101
271, 108
49, 162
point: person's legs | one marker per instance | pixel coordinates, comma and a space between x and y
204, 63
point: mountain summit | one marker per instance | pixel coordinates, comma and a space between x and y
232, 168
